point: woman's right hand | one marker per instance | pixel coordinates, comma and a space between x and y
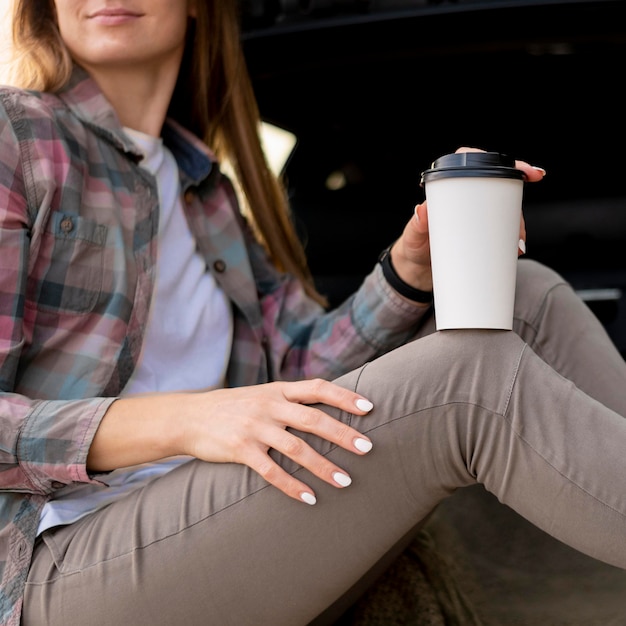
236, 425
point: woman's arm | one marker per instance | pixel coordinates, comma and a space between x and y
307, 342
234, 426
43, 442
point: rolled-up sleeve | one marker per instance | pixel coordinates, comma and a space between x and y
309, 342
44, 444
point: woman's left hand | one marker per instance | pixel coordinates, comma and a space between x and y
410, 254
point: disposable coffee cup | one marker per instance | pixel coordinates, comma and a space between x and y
474, 212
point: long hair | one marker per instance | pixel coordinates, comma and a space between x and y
215, 83
40, 59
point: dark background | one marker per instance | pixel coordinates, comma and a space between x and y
377, 90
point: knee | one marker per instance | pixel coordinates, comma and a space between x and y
451, 367
535, 284
534, 277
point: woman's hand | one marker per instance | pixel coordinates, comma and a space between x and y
410, 255
235, 426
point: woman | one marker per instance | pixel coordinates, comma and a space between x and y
167, 368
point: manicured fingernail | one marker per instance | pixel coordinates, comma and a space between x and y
540, 169
522, 245
417, 217
308, 498
363, 445
364, 405
342, 479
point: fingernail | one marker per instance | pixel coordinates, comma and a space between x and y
342, 479
363, 445
522, 246
308, 498
539, 169
364, 405
417, 217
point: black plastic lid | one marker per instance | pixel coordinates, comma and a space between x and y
483, 164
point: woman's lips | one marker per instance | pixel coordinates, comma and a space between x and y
114, 17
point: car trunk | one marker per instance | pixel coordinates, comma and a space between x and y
374, 91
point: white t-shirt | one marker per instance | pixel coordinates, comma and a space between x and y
187, 338
189, 333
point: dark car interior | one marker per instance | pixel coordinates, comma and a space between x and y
374, 90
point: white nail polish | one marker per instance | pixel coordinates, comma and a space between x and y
364, 405
363, 445
522, 245
342, 479
417, 217
308, 498
539, 169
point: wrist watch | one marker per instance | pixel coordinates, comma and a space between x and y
404, 289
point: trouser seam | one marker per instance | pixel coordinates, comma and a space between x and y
570, 480
513, 380
526, 442
534, 322
126, 553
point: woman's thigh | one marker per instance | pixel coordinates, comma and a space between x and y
214, 543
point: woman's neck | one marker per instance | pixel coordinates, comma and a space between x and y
140, 97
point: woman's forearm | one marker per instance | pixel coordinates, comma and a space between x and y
138, 430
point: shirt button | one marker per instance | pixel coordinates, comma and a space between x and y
219, 266
55, 484
67, 224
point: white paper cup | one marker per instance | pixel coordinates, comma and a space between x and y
474, 212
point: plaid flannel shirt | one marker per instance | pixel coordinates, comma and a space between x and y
78, 226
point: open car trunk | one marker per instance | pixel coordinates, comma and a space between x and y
375, 90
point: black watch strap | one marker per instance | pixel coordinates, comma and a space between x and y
404, 289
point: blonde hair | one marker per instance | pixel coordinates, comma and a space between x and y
224, 111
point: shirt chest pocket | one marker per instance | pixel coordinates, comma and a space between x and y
68, 272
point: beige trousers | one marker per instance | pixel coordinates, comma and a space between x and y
535, 415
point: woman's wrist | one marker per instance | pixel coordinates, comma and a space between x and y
137, 430
405, 289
